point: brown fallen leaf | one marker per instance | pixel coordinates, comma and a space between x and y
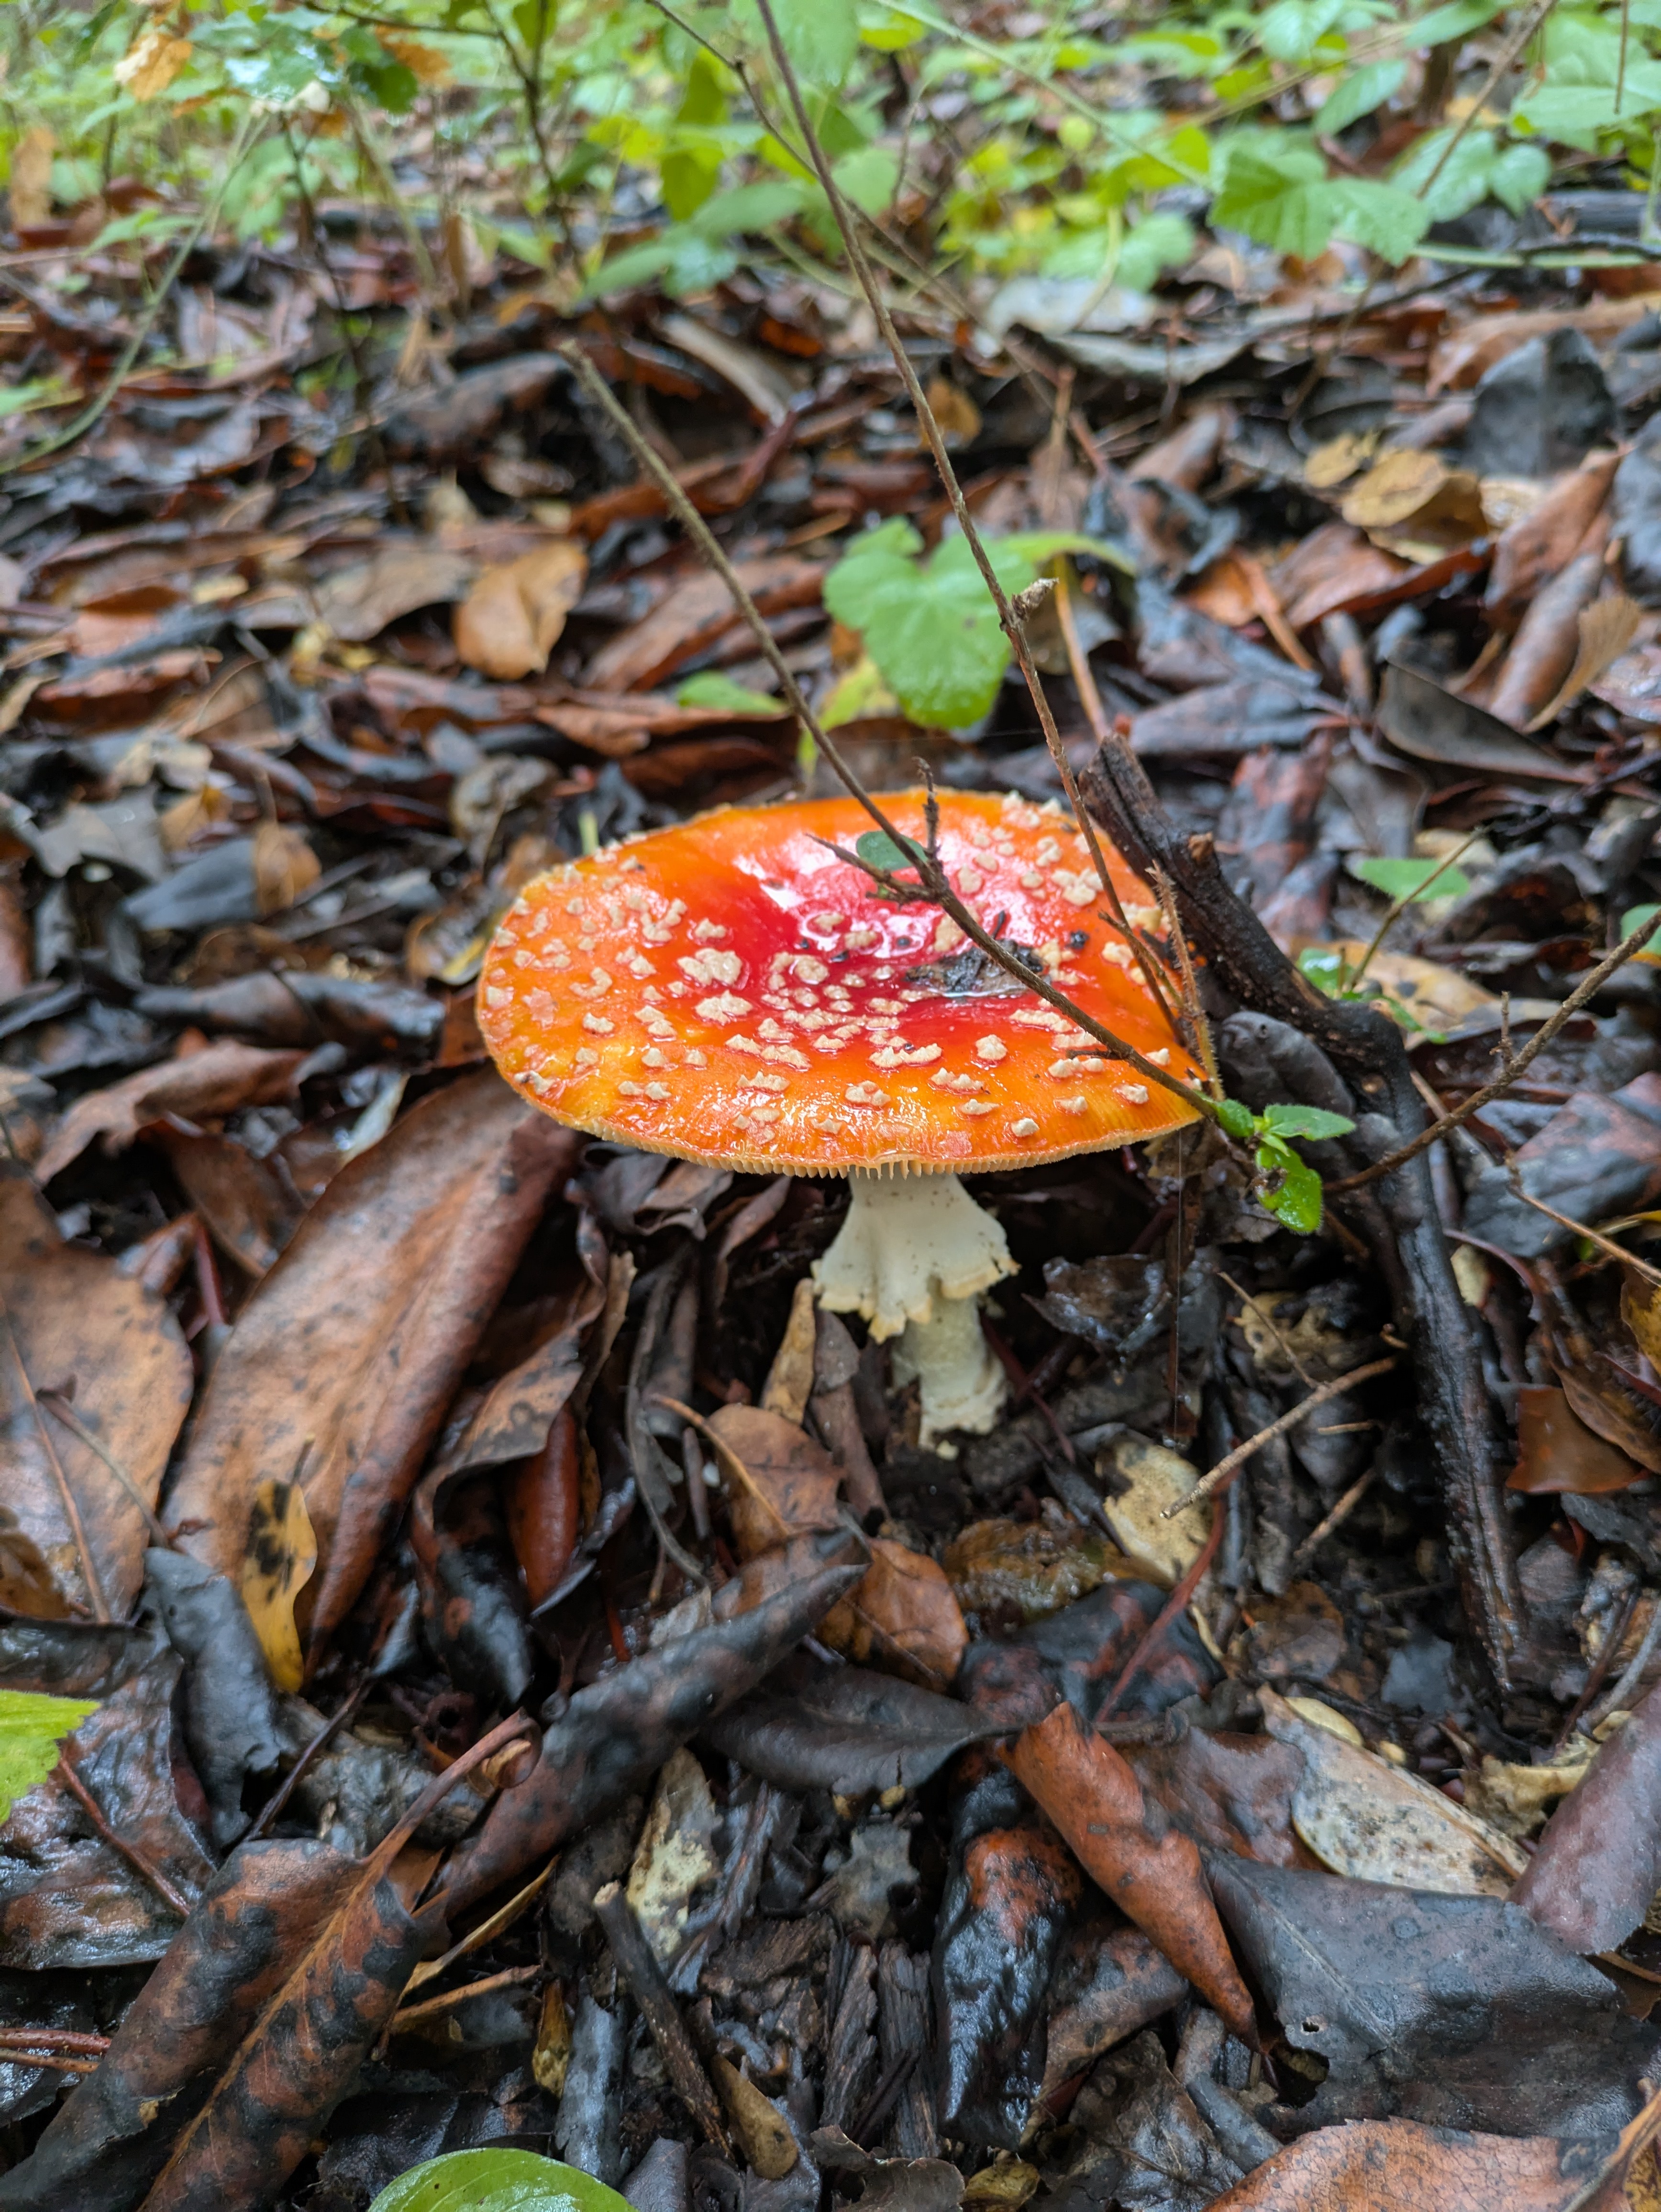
285, 866
355, 1342
1557, 1452
356, 603
695, 614
1150, 1869
1598, 1864
72, 1324
904, 1615
1607, 627
1461, 359
1396, 2165
29, 186
511, 619
197, 1086
1532, 549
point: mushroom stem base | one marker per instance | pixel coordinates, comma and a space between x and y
913, 1256
960, 1384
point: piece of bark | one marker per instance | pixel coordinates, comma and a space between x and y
902, 2027
591, 2105
852, 2050
636, 1964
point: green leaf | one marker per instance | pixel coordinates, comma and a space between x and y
1360, 92
1287, 1120
1443, 25
1288, 32
1634, 918
1285, 202
30, 1728
1408, 879
1236, 1120
711, 688
931, 628
1518, 177
820, 36
1329, 970
1387, 220
1292, 1194
496, 2181
879, 850
1157, 242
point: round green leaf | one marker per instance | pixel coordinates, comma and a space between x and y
879, 850
1292, 1191
1411, 879
496, 2181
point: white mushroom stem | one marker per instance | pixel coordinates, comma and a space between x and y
913, 1257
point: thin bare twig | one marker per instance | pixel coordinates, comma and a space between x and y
933, 886
1340, 1513
1586, 989
429, 2007
100, 1606
61, 1411
1210, 1484
1012, 627
141, 1863
1399, 906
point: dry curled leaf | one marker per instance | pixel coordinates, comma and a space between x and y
511, 619
151, 63
285, 866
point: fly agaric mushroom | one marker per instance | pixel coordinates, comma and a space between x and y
730, 991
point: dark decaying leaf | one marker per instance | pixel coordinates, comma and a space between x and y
1232, 1792
617, 1733
72, 1323
1107, 1983
230, 1708
1147, 2147
1422, 719
69, 1658
472, 1603
845, 1729
1597, 1156
1010, 1887
109, 2141
69, 1899
350, 1349
197, 1086
1598, 1864
1457, 2011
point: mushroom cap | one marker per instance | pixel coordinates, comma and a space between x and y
730, 992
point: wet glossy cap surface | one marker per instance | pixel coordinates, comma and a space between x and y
729, 990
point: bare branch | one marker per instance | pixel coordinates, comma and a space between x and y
1586, 989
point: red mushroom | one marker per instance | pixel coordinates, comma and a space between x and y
730, 991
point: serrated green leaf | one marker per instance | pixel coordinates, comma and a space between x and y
30, 1728
1387, 220
1518, 177
1359, 93
1288, 32
1286, 203
1290, 1120
931, 628
1291, 1189
496, 2181
1236, 1120
879, 850
1442, 25
1408, 879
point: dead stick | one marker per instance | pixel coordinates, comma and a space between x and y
139, 1861
55, 2039
1340, 1513
637, 1963
1219, 1475
409, 2014
1587, 988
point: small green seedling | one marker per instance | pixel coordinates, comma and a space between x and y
1291, 1189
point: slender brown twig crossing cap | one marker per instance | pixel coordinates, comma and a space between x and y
730, 991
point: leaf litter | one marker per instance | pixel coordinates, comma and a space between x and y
531, 1681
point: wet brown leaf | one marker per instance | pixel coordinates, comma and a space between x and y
902, 1615
1558, 1452
1548, 640
353, 1345
1531, 551
695, 614
1150, 1869
1599, 1863
358, 602
72, 1323
197, 1086
1396, 2165
511, 619
285, 866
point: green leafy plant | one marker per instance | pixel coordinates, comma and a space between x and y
1405, 881
30, 1728
931, 626
496, 2181
1290, 1188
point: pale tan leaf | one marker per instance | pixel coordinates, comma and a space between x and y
280, 1560
512, 616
